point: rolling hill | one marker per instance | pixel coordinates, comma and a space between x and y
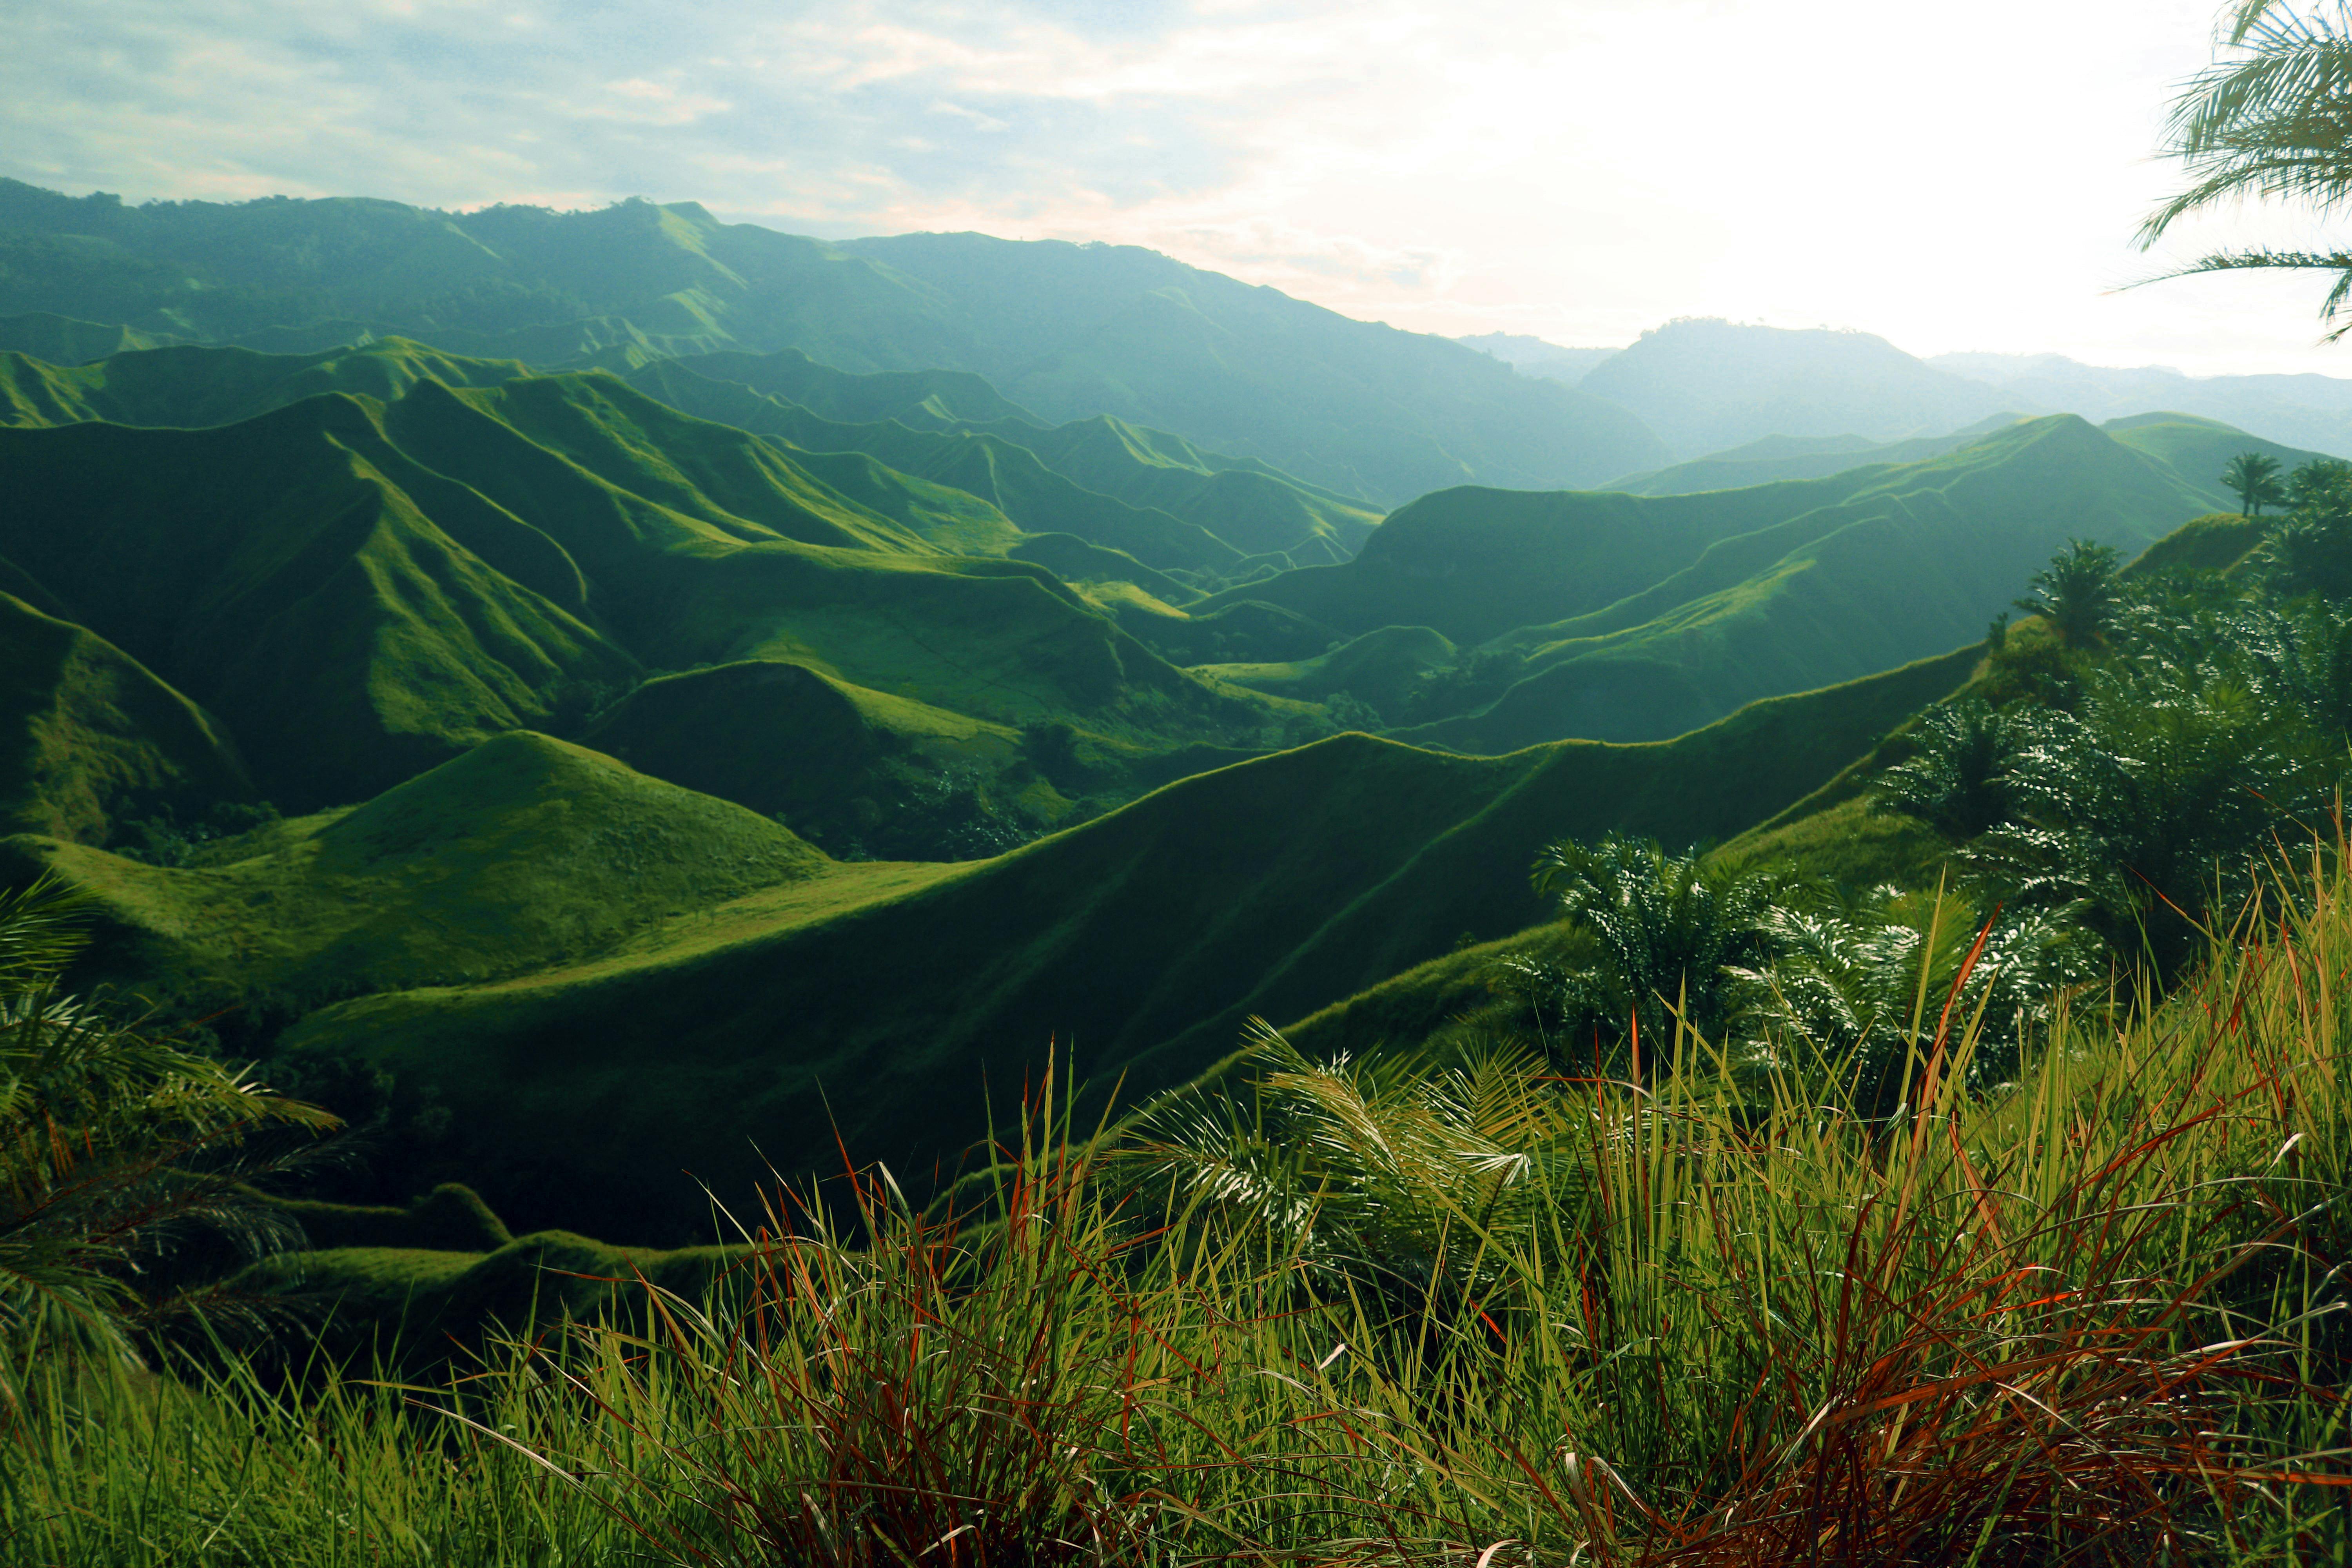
1678, 609
89, 739
1062, 480
682, 1022
361, 588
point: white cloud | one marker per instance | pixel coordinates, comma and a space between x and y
1576, 169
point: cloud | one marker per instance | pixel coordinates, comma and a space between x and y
1579, 169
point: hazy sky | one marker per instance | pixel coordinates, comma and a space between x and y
1950, 177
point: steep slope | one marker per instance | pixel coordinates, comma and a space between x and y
1072, 330
61, 340
2197, 450
90, 738
1250, 505
1255, 508
1378, 668
1066, 330
883, 998
361, 588
1474, 563
830, 757
1000, 478
278, 575
1920, 559
1705, 386
919, 399
1686, 606
980, 463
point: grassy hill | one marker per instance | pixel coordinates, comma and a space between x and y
522, 852
919, 399
2197, 450
979, 462
2306, 410
1378, 668
1924, 558
62, 340
1681, 609
361, 588
1068, 332
1474, 563
276, 574
969, 489
189, 387
642, 999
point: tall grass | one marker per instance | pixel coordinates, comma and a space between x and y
1471, 1313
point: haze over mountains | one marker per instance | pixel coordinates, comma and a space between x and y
512, 648
1705, 386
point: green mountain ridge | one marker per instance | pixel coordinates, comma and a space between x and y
1068, 332
1749, 593
361, 588
192, 386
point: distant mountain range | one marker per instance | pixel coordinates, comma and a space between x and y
1065, 330
1707, 388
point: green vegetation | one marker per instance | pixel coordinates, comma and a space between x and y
882, 709
1769, 459
2268, 123
452, 565
1431, 1303
1684, 608
524, 852
93, 741
533, 923
2075, 592
116, 1149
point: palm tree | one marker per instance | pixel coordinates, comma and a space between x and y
1385, 1171
2143, 810
2312, 551
2253, 478
2075, 592
1669, 929
1862, 986
113, 1146
1955, 782
2274, 122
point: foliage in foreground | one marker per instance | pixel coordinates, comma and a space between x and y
117, 1149
1456, 1312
